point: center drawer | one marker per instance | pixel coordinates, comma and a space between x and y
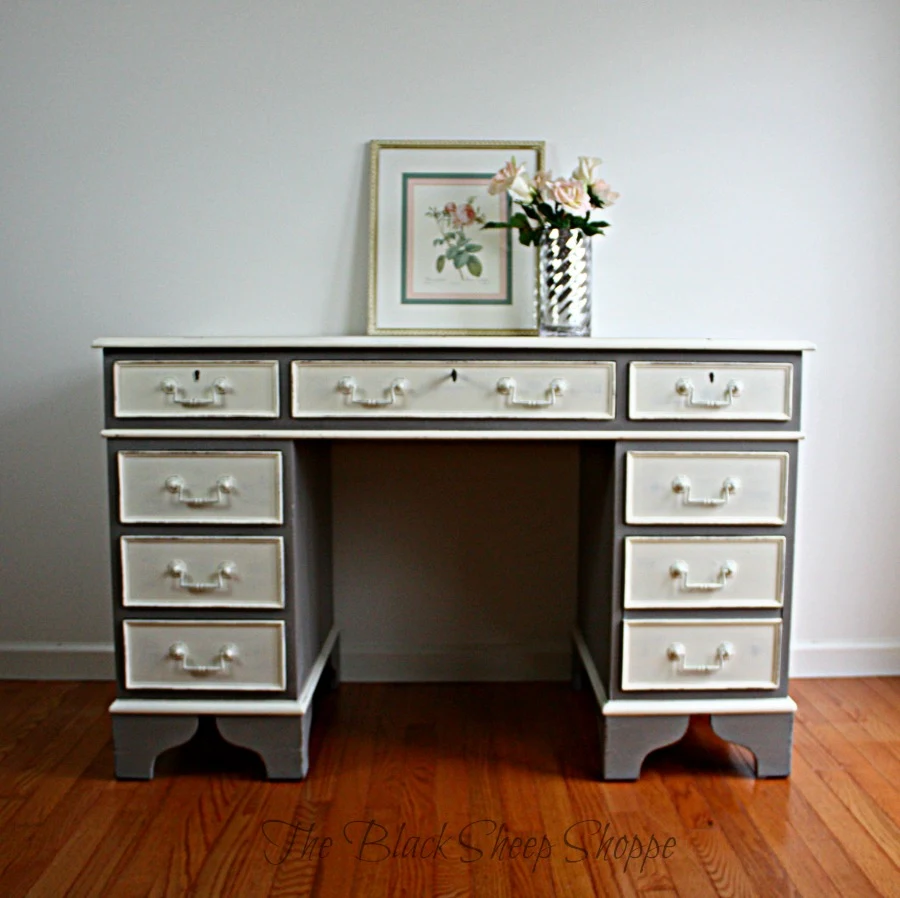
450, 389
200, 487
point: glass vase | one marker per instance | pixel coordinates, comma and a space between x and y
564, 283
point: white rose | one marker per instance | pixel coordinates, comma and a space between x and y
512, 178
586, 172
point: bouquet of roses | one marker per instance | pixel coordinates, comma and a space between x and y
546, 203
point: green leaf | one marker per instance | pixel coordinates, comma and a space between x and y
474, 247
453, 252
494, 225
461, 259
519, 220
439, 264
438, 241
474, 267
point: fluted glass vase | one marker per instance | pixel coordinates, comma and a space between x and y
564, 283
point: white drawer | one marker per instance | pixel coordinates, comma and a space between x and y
232, 655
196, 389
203, 571
584, 390
701, 654
704, 572
706, 487
727, 391
200, 487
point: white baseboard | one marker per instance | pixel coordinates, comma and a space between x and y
95, 661
846, 658
57, 661
495, 663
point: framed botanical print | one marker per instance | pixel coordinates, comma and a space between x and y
432, 268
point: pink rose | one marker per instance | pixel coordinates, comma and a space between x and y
571, 195
604, 192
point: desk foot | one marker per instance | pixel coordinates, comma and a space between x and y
769, 736
140, 738
281, 742
626, 741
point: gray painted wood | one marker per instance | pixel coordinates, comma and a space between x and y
281, 742
626, 741
140, 738
768, 736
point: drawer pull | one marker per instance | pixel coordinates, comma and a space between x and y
224, 485
681, 569
227, 570
676, 652
684, 387
178, 651
211, 395
398, 387
683, 485
507, 387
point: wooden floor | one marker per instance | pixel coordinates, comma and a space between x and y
486, 768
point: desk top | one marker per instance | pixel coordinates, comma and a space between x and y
554, 343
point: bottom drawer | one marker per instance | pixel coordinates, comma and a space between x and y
701, 654
229, 655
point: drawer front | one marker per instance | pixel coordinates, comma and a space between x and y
203, 572
704, 572
706, 487
210, 655
582, 390
752, 391
195, 389
707, 654
200, 487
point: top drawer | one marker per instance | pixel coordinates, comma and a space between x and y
195, 389
727, 391
448, 389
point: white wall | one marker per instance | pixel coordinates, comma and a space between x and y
199, 168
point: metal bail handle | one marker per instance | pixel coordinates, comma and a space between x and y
506, 386
179, 651
680, 569
398, 387
733, 389
676, 653
682, 485
177, 568
223, 486
210, 396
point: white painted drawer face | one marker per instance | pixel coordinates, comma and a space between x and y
707, 654
210, 655
582, 390
706, 487
704, 572
203, 571
200, 487
196, 389
751, 391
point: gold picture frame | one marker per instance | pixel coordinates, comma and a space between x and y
432, 270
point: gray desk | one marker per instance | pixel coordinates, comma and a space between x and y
220, 524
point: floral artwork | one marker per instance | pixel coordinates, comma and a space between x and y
433, 268
456, 224
447, 257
